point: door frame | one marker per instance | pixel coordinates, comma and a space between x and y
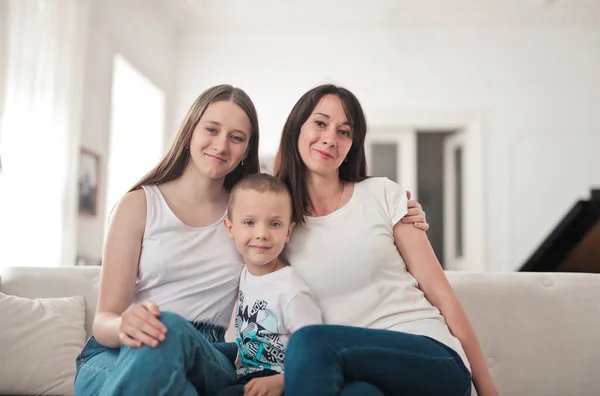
474, 216
451, 258
406, 144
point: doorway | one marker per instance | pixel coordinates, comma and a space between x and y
442, 167
430, 185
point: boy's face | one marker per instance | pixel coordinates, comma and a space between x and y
260, 225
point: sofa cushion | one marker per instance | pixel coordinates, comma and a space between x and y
39, 341
538, 331
54, 282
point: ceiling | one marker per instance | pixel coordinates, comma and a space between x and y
235, 14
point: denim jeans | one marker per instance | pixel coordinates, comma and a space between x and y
330, 360
238, 389
192, 360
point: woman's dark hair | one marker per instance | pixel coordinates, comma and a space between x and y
174, 162
288, 163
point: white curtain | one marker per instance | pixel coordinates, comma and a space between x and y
40, 129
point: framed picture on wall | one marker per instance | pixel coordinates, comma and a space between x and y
89, 168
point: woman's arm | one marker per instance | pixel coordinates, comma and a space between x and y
422, 263
115, 319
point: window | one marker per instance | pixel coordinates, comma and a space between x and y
137, 130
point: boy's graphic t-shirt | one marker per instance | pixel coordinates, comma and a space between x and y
270, 308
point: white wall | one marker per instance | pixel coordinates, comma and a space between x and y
142, 32
3, 50
537, 89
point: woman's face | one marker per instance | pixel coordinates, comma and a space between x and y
220, 140
326, 137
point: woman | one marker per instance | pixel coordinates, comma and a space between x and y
159, 252
170, 272
393, 323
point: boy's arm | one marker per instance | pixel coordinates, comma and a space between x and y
302, 310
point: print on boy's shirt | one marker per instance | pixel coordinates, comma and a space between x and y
257, 338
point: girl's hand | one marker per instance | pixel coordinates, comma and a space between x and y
265, 386
415, 214
139, 325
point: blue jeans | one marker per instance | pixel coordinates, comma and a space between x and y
238, 389
330, 360
192, 360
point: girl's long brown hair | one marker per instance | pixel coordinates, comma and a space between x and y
288, 163
174, 162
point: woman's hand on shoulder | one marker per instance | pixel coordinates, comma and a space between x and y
139, 325
416, 215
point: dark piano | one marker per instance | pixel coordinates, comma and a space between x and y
574, 244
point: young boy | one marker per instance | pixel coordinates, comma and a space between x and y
273, 301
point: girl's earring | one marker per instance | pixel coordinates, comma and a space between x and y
242, 162
187, 154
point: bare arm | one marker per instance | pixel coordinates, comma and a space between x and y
422, 263
119, 273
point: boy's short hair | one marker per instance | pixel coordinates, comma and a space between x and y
260, 182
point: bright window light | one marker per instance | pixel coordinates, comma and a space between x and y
137, 130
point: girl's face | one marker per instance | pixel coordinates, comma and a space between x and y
220, 140
326, 137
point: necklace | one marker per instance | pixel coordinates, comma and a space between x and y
311, 213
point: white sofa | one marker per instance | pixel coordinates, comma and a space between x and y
540, 332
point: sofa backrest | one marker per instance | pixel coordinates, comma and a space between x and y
539, 332
44, 282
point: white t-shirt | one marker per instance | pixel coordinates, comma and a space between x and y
270, 308
350, 262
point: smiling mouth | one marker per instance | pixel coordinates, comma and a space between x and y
214, 157
257, 247
324, 154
